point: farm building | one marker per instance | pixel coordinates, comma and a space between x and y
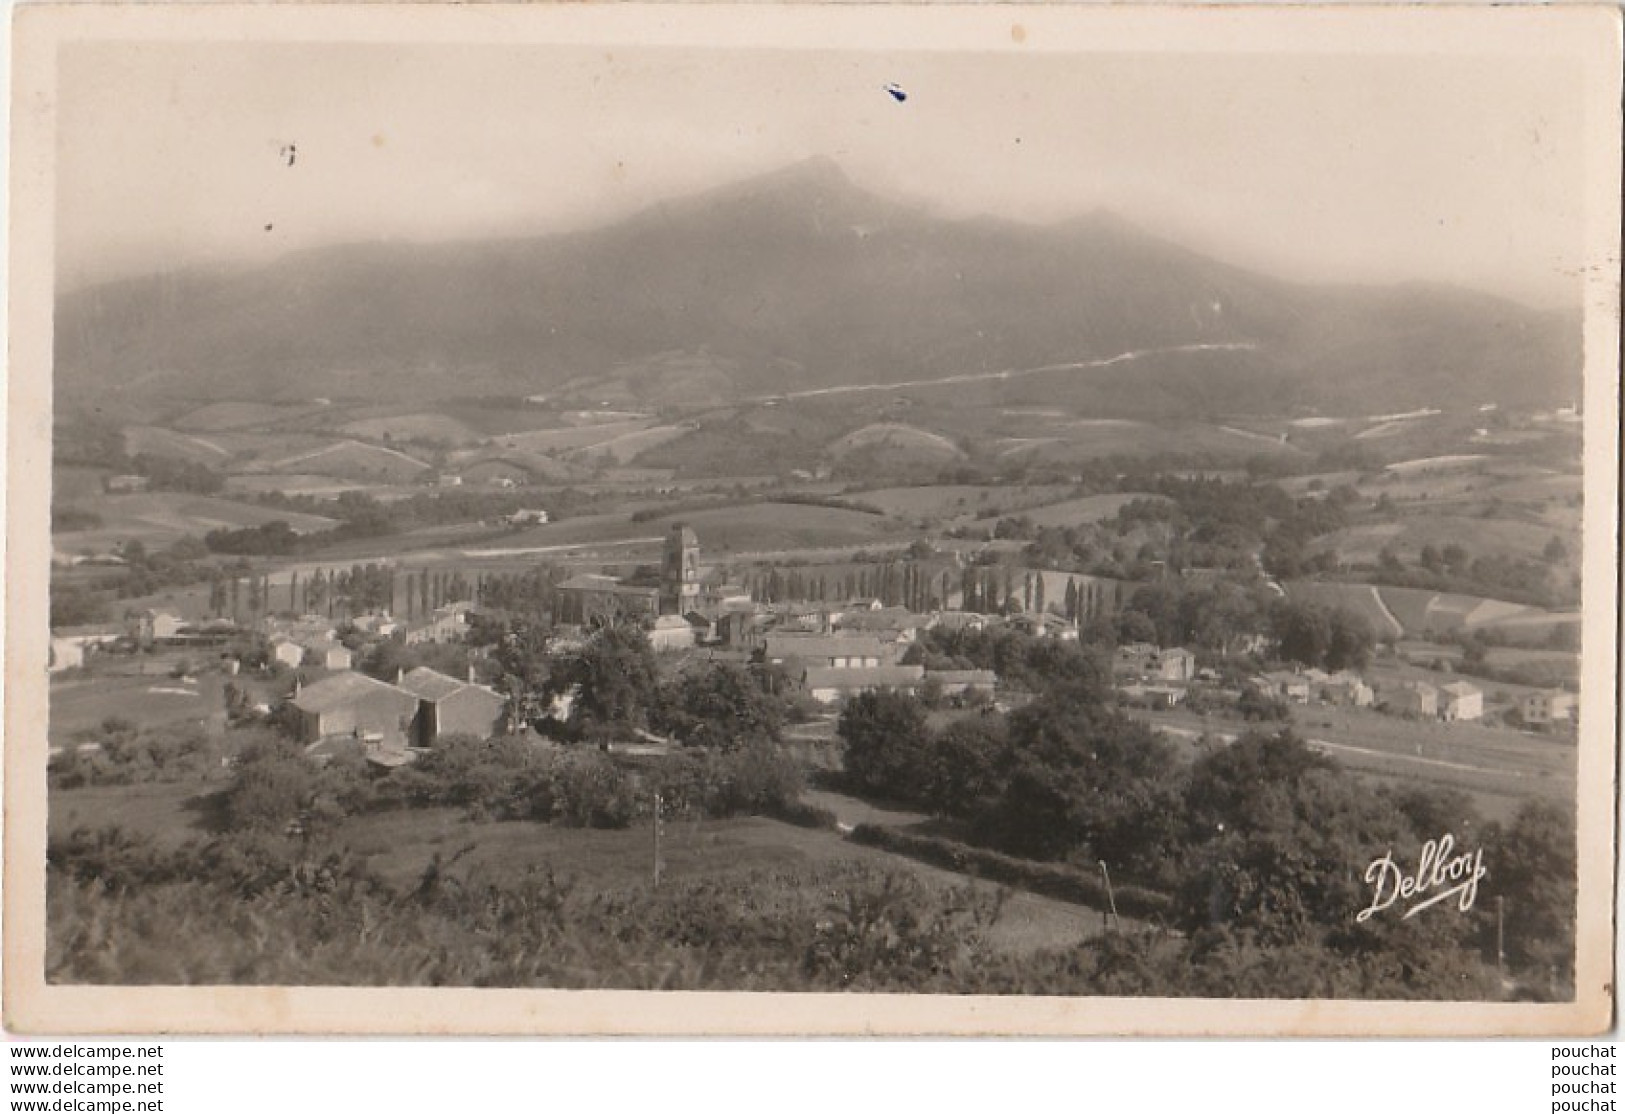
69, 645
448, 623
889, 624
126, 485
1348, 690
959, 620
1294, 688
829, 685
1555, 706
356, 705
447, 706
1460, 701
1154, 696
1415, 698
826, 651
1177, 664
150, 626
379, 624
326, 655
523, 517
66, 653
306, 628
287, 652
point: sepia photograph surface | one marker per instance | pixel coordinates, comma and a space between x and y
813, 520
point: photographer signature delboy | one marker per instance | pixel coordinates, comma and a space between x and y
1437, 867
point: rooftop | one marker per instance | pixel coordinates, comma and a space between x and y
429, 684
341, 689
822, 646
868, 677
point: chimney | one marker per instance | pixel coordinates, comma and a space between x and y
298, 684
471, 673
400, 674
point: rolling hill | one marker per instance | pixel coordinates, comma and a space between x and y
798, 281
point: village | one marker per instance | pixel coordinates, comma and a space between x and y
319, 677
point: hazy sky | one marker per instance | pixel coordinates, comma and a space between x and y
1460, 170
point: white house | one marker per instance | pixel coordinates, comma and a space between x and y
1460, 701
1555, 706
327, 655
287, 652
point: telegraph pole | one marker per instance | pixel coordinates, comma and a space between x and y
1111, 900
1500, 937
657, 842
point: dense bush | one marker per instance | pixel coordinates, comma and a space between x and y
264, 911
120, 753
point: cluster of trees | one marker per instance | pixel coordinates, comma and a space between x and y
171, 474
1193, 523
364, 515
740, 497
523, 593
337, 593
118, 752
1330, 638
361, 516
1022, 662
87, 438
144, 573
1453, 568
919, 585
1261, 845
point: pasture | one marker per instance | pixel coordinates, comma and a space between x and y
400, 846
420, 427
940, 501
569, 438
116, 689
1407, 536
759, 527
1079, 440
1090, 508
1416, 611
162, 517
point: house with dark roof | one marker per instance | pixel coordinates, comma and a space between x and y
356, 705
826, 651
827, 685
447, 706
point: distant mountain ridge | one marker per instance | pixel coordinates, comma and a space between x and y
798, 280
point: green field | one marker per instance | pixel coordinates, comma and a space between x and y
1478, 535
1083, 439
957, 500
400, 845
153, 699
1090, 508
158, 518
763, 527
421, 427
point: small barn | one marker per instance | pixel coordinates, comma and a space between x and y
356, 705
447, 706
